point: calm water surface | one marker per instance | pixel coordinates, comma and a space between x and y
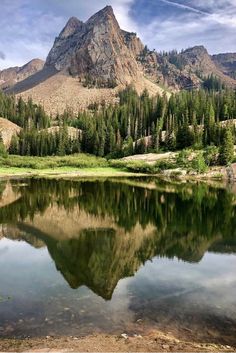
117, 255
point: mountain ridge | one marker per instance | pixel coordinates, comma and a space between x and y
10, 76
97, 54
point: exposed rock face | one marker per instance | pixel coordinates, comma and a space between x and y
133, 43
188, 68
7, 130
97, 48
226, 63
11, 76
89, 62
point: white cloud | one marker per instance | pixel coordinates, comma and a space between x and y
184, 7
213, 26
29, 27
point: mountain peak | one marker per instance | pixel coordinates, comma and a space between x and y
71, 27
198, 49
107, 10
102, 16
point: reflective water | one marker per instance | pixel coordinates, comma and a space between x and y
122, 255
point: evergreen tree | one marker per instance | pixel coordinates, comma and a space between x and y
3, 152
14, 146
227, 147
128, 146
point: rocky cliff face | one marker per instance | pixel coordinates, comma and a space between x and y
97, 48
88, 56
11, 76
7, 130
226, 63
189, 68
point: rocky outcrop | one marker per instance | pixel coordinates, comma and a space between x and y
7, 130
226, 63
98, 49
189, 68
133, 43
91, 61
11, 76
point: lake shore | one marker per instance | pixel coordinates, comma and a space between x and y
109, 172
65, 172
82, 165
153, 342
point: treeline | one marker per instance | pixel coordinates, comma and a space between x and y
137, 124
140, 124
213, 83
31, 142
25, 114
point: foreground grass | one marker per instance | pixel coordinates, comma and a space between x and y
105, 171
79, 164
77, 161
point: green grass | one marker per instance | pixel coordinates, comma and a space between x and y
105, 171
84, 164
81, 164
78, 161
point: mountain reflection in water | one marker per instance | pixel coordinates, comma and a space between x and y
79, 257
98, 232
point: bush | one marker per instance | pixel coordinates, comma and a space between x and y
211, 155
76, 161
134, 166
182, 159
141, 167
164, 165
199, 163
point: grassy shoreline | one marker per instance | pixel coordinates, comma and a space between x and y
83, 165
63, 172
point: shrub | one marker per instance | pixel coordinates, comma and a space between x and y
164, 165
182, 158
199, 164
211, 155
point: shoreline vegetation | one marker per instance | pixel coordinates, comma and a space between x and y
202, 121
190, 135
186, 164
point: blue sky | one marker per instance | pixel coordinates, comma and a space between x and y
28, 27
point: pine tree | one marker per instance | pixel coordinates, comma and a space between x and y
128, 146
3, 152
227, 147
14, 146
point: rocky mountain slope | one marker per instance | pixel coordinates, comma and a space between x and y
189, 68
11, 76
97, 50
90, 61
226, 63
7, 130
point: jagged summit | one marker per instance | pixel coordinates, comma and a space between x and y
106, 11
72, 26
106, 14
87, 56
197, 49
97, 48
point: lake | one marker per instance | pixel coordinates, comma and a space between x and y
79, 257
